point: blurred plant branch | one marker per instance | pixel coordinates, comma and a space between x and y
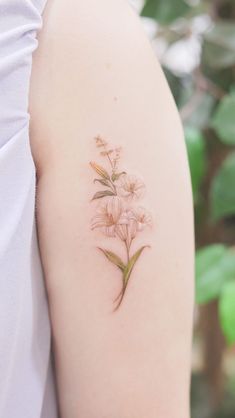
201, 85
197, 46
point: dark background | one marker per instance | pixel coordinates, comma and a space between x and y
195, 43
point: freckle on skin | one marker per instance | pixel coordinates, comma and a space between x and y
115, 98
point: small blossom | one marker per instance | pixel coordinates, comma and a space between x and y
131, 222
126, 227
99, 170
142, 217
106, 153
100, 142
131, 187
108, 215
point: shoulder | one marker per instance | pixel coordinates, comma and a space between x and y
90, 52
63, 20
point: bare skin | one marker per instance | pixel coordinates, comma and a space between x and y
95, 74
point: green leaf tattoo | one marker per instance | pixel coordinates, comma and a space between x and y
117, 214
129, 267
115, 259
102, 193
104, 182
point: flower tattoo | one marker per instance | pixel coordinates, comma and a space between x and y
117, 214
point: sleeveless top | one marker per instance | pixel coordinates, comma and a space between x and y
27, 385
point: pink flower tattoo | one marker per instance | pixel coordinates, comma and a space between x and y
117, 214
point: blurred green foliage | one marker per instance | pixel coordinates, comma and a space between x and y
197, 157
223, 189
205, 96
215, 267
164, 11
227, 311
219, 46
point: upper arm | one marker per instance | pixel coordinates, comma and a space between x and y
96, 74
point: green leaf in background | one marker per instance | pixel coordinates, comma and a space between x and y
197, 157
215, 266
219, 46
227, 312
224, 120
164, 11
223, 190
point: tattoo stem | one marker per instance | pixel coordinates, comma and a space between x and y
110, 160
107, 155
122, 292
127, 251
113, 187
121, 295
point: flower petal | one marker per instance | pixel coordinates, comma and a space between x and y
114, 208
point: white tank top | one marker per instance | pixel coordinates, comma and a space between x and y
26, 373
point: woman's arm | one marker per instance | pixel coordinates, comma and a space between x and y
95, 79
